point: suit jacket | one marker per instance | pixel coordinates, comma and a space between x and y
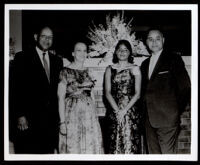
166, 92
33, 95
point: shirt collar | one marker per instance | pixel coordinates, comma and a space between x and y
40, 52
157, 54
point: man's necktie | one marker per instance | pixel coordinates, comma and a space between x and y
46, 68
151, 67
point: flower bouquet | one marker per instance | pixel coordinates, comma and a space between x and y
104, 39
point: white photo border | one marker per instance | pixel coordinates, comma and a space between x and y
77, 157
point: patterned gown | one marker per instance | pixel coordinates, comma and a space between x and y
124, 138
83, 129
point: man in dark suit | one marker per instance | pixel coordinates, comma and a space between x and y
166, 89
34, 95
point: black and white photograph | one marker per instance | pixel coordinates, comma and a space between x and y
101, 82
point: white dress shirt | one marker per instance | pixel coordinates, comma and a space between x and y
153, 61
40, 53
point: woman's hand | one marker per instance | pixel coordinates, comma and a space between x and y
63, 129
120, 115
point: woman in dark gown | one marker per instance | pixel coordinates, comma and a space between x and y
122, 90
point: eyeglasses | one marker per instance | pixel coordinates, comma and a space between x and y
150, 39
46, 37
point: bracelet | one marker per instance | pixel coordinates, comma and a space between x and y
62, 123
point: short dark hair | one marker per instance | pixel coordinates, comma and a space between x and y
157, 28
128, 46
39, 28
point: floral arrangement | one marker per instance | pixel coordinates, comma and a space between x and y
104, 39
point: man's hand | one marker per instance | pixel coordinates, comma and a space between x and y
22, 123
63, 130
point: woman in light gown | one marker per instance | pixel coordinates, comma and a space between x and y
80, 131
122, 90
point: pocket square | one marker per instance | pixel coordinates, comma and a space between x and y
163, 72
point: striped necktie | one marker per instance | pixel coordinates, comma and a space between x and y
46, 68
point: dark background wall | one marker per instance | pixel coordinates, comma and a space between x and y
70, 26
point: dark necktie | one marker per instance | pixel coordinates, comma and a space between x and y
46, 68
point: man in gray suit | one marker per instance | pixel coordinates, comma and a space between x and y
166, 89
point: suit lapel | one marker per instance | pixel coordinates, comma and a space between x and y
158, 65
147, 69
53, 68
51, 62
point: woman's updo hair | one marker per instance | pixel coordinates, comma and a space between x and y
77, 42
128, 46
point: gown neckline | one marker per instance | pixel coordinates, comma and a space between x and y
77, 69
